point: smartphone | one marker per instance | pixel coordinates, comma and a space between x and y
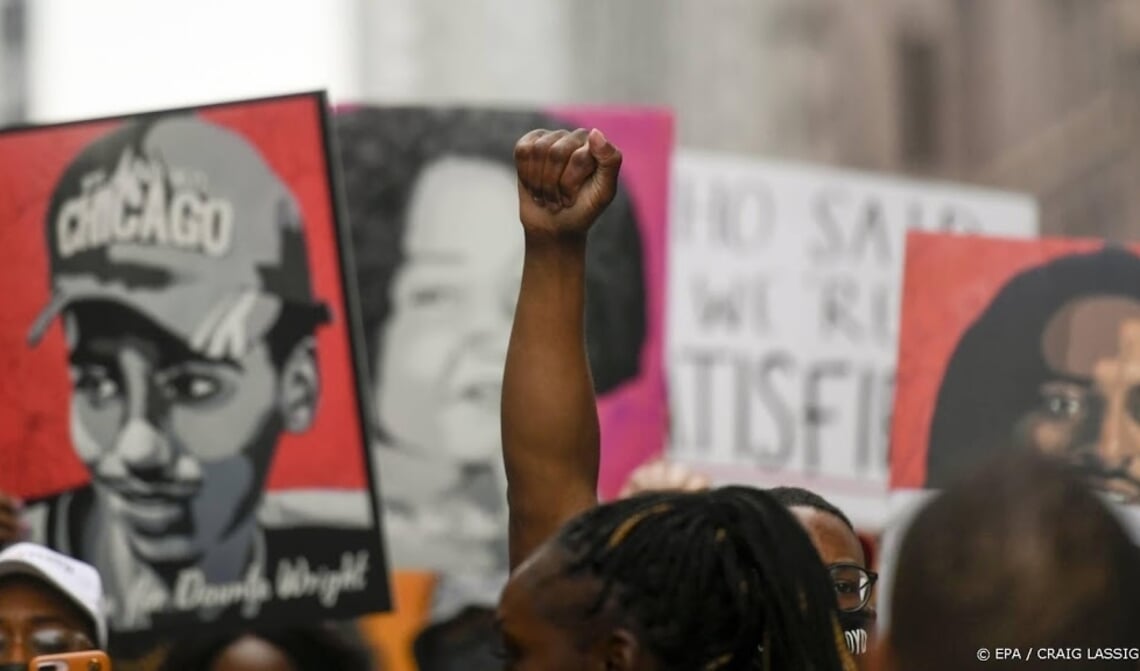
92, 660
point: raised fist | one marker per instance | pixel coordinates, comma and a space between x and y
663, 475
566, 179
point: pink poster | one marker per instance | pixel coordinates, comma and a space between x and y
633, 416
432, 200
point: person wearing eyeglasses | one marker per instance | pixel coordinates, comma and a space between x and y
839, 547
831, 533
49, 604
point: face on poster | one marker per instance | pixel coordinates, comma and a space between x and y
1036, 347
784, 289
183, 410
1014, 345
433, 202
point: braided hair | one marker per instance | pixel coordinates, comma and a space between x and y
729, 568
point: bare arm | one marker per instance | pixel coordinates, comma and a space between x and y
551, 441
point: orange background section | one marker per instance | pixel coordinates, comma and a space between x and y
391, 635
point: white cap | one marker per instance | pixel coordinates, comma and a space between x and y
78, 581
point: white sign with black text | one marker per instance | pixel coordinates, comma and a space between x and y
784, 290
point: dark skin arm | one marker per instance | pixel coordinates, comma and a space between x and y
551, 443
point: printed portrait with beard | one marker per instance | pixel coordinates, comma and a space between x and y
1052, 365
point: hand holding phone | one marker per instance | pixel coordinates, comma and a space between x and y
91, 660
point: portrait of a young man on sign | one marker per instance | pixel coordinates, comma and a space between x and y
186, 409
1035, 346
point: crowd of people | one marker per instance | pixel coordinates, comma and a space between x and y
677, 575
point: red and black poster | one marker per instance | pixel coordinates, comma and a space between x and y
181, 400
1008, 344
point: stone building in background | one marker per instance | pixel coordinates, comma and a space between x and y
13, 89
1040, 96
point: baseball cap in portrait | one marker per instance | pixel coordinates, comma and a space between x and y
183, 221
77, 581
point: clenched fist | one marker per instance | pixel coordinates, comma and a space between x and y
566, 179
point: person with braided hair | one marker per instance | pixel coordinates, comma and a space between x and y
721, 579
668, 581
845, 555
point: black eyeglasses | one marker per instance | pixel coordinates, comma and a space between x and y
853, 585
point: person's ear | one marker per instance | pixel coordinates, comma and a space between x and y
299, 387
621, 651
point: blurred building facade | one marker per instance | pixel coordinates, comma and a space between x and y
13, 68
1040, 96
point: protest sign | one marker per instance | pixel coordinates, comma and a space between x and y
433, 202
181, 402
1014, 344
784, 291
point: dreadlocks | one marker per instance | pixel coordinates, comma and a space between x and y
729, 568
